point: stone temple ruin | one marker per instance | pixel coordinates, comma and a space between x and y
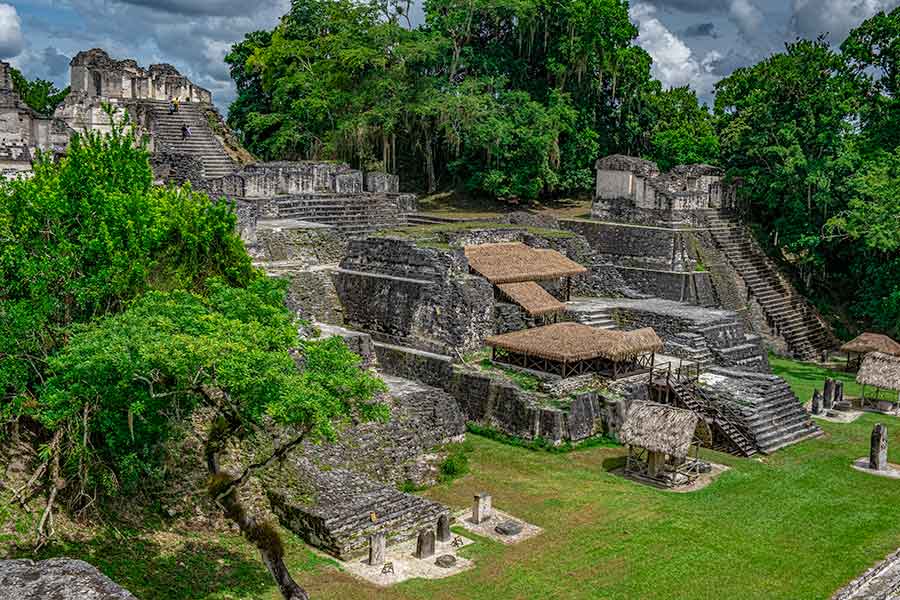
660, 296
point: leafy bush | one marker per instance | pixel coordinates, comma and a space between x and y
454, 466
87, 235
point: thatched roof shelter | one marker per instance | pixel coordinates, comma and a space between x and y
532, 297
515, 262
659, 428
881, 371
871, 342
571, 342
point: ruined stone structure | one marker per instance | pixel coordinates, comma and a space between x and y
23, 132
701, 335
146, 96
324, 193
670, 236
762, 406
59, 579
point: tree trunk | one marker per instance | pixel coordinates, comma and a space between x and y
429, 161
262, 534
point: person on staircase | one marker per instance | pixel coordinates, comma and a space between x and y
174, 108
185, 131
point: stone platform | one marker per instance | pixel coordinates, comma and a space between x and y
703, 335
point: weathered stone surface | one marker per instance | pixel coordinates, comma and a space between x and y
492, 401
445, 561
816, 403
443, 528
422, 418
828, 394
481, 508
425, 544
376, 549
333, 510
764, 406
411, 296
838, 392
879, 447
57, 579
698, 334
509, 528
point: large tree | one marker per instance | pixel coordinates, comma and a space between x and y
511, 99
125, 307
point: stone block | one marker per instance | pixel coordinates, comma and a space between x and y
481, 508
425, 544
376, 549
879, 447
828, 396
443, 528
816, 403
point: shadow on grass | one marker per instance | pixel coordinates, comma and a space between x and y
614, 462
188, 570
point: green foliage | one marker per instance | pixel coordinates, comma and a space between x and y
684, 131
122, 381
88, 234
512, 99
42, 96
455, 465
811, 132
540, 444
525, 381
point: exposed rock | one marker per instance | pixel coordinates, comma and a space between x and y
509, 528
445, 561
57, 579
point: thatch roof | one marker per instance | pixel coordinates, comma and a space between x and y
515, 262
880, 370
572, 342
659, 428
532, 297
871, 342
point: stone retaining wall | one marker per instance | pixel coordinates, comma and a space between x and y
493, 402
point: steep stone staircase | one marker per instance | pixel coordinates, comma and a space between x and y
731, 437
202, 142
595, 317
788, 313
344, 508
359, 214
763, 406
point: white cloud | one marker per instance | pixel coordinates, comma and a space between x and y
835, 17
11, 40
674, 64
746, 16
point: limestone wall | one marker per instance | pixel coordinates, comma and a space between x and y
94, 74
495, 403
628, 189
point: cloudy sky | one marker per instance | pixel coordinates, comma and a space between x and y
692, 42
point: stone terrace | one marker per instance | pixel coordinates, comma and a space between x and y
703, 335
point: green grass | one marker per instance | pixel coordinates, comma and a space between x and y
804, 378
796, 525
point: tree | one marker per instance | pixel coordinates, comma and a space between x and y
42, 96
684, 131
783, 126
88, 234
508, 99
872, 55
115, 390
124, 307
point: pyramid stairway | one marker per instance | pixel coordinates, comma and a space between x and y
358, 214
202, 142
788, 313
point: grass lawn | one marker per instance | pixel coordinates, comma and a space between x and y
806, 377
796, 525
